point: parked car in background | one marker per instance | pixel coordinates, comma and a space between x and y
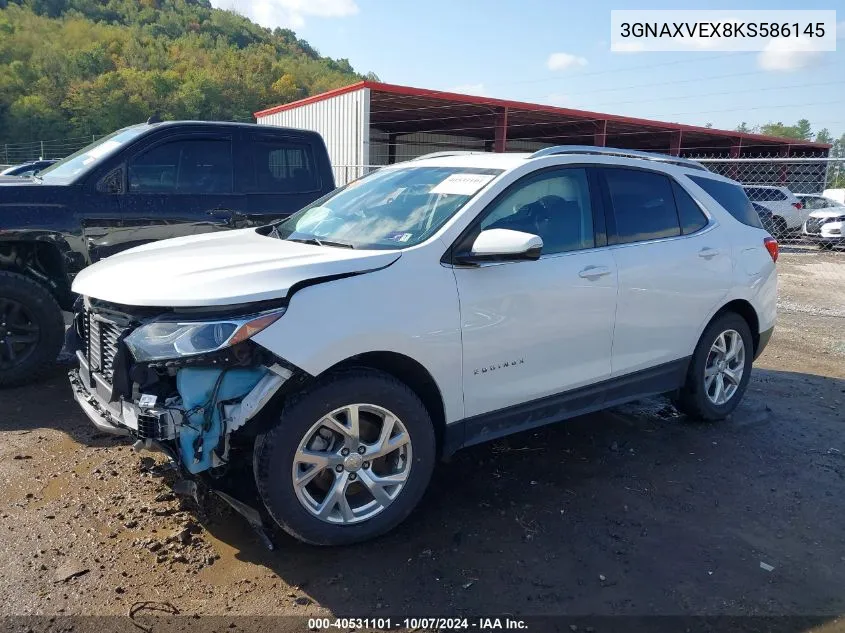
138, 185
813, 202
27, 169
826, 226
788, 213
766, 217
434, 304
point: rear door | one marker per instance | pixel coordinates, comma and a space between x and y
182, 184
278, 173
673, 264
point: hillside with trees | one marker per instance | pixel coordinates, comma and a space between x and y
73, 68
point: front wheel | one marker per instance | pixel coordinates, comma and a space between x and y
348, 459
719, 370
31, 329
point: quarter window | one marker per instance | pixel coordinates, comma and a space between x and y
643, 205
732, 197
690, 215
554, 205
183, 166
279, 167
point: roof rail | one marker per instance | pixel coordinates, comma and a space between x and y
447, 153
613, 151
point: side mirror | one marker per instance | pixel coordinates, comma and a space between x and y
502, 245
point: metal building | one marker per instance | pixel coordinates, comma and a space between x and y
369, 124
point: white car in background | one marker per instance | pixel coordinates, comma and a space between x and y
335, 355
788, 213
826, 221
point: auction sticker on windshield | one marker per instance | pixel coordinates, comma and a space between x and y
462, 184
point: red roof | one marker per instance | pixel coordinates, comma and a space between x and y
615, 124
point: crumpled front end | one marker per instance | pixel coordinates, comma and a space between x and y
190, 407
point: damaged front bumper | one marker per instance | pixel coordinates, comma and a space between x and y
193, 428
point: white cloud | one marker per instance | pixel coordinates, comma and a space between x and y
470, 89
565, 61
786, 55
288, 13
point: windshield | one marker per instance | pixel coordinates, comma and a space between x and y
73, 166
389, 209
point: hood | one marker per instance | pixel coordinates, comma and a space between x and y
830, 212
218, 269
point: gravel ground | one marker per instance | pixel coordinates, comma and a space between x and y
633, 511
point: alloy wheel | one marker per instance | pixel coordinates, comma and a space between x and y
19, 333
352, 464
724, 367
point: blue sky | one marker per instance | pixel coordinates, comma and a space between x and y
556, 52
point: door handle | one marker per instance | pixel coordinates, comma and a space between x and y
708, 253
594, 272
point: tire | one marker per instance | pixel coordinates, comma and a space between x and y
29, 311
276, 451
779, 228
694, 398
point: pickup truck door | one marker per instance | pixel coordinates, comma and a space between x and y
180, 185
279, 173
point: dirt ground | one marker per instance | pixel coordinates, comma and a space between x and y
633, 511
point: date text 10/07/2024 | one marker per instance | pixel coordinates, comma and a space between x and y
439, 624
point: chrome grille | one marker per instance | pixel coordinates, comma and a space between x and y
101, 342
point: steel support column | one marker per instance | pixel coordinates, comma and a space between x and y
783, 172
500, 132
675, 140
600, 135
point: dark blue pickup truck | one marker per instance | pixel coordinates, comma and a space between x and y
143, 183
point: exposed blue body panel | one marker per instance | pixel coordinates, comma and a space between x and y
196, 386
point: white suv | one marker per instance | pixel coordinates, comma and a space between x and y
788, 212
431, 305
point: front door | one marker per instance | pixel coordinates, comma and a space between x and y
180, 186
533, 329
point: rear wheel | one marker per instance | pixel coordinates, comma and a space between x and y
348, 459
31, 329
719, 370
779, 227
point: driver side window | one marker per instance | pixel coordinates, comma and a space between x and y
554, 205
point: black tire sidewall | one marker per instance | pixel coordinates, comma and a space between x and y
274, 453
695, 382
47, 313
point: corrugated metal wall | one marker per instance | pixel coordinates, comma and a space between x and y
343, 122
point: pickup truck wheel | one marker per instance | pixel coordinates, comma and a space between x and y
348, 459
31, 329
719, 370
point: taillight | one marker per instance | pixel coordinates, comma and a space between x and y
797, 205
771, 245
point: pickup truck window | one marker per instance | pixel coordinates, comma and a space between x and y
72, 167
279, 167
183, 166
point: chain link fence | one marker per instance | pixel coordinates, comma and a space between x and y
799, 200
16, 153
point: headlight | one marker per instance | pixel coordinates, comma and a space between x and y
162, 340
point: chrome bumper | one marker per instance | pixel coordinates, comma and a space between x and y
94, 397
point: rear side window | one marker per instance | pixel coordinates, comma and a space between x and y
279, 166
643, 205
765, 194
732, 198
691, 217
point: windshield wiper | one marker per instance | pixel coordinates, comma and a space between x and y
317, 242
